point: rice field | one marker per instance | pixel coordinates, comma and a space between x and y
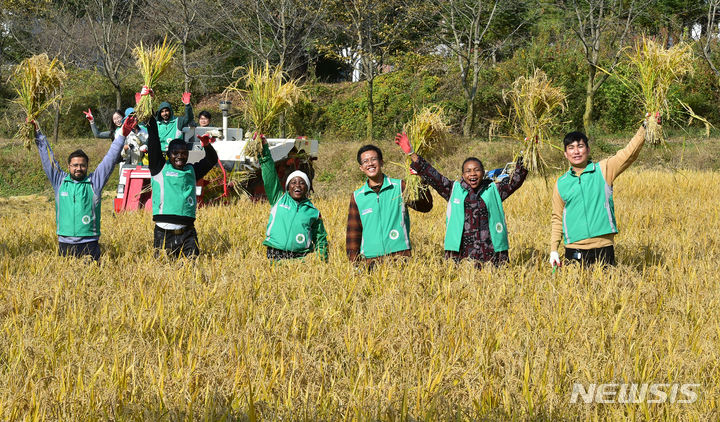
230, 337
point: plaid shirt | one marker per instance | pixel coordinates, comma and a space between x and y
476, 243
353, 237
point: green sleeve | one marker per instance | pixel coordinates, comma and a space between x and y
320, 241
273, 190
186, 119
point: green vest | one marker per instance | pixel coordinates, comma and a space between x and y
589, 207
384, 218
290, 225
77, 209
455, 218
173, 191
167, 132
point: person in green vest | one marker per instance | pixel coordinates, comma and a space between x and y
475, 226
173, 192
170, 126
378, 221
78, 195
583, 208
295, 227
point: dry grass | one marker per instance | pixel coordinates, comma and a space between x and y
534, 108
152, 62
267, 93
428, 133
656, 69
231, 337
37, 81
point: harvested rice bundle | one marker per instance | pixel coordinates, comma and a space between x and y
37, 81
656, 69
534, 108
428, 132
152, 63
266, 97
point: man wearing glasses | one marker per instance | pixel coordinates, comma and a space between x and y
378, 222
78, 195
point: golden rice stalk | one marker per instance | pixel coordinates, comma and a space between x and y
267, 95
37, 81
656, 69
152, 62
237, 181
693, 116
534, 108
428, 131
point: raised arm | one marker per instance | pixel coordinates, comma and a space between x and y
48, 161
509, 185
96, 133
203, 166
102, 173
427, 173
155, 156
618, 163
189, 116
273, 189
432, 177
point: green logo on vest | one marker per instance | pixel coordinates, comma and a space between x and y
86, 219
190, 200
300, 238
499, 227
394, 234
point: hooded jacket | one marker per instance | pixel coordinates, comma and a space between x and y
172, 128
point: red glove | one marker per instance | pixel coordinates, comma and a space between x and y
404, 142
412, 171
143, 92
128, 125
206, 139
88, 115
262, 137
34, 123
186, 98
658, 119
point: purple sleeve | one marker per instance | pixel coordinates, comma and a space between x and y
432, 177
511, 184
102, 173
48, 161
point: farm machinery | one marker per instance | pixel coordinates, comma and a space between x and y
236, 172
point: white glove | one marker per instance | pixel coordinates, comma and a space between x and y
143, 148
555, 259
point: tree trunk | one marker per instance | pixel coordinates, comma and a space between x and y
589, 94
469, 125
370, 121
185, 68
118, 97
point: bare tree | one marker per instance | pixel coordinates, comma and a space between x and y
711, 31
603, 28
180, 20
471, 31
367, 31
110, 23
276, 31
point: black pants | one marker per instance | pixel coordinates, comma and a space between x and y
78, 250
177, 242
604, 256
